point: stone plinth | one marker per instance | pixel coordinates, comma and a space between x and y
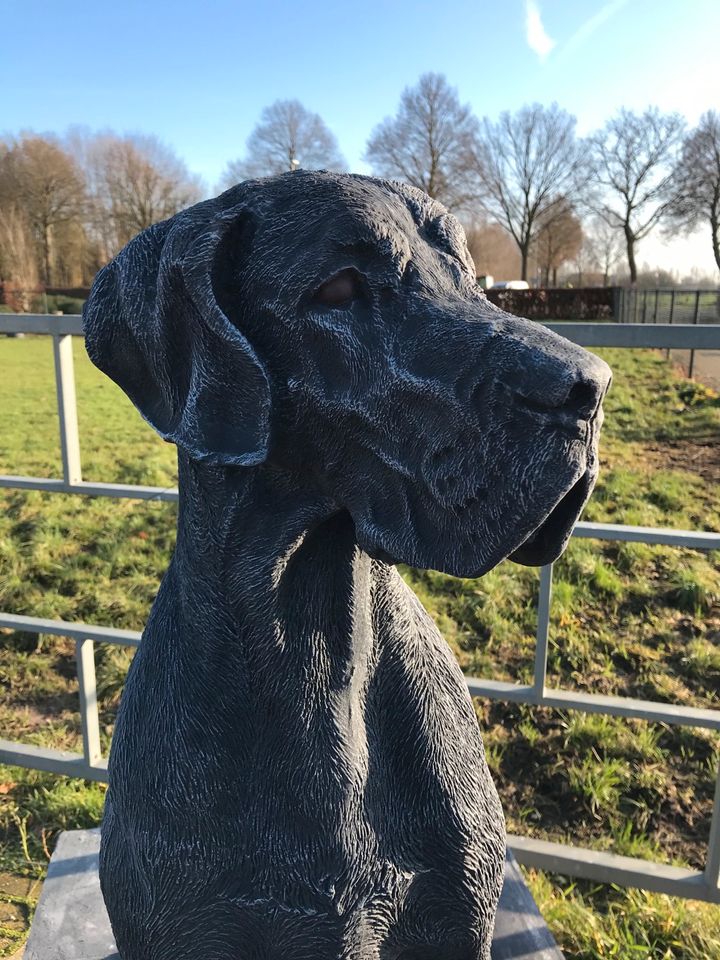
71, 922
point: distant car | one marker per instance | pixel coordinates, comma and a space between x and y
511, 285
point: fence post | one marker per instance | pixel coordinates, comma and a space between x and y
691, 366
67, 408
85, 657
655, 313
670, 319
712, 864
543, 630
644, 308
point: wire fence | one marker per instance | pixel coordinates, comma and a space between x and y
670, 305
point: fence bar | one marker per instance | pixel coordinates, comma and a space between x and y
52, 761
651, 710
67, 408
659, 536
611, 868
613, 334
90, 489
75, 631
70, 323
712, 864
85, 657
543, 628
679, 336
601, 531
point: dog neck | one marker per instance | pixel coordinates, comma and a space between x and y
269, 576
264, 633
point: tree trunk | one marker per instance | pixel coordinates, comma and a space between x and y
715, 228
523, 261
555, 276
630, 241
46, 254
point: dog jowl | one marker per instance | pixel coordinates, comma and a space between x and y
297, 770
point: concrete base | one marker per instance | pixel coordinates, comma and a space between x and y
71, 922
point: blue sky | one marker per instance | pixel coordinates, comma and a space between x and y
197, 74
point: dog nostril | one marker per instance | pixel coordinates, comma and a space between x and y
581, 401
441, 455
476, 393
583, 398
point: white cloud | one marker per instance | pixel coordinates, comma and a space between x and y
537, 38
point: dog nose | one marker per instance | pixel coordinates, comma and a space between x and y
546, 374
580, 399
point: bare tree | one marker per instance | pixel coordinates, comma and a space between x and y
585, 263
44, 182
696, 181
559, 237
428, 142
493, 251
134, 181
526, 164
605, 245
18, 252
288, 137
632, 159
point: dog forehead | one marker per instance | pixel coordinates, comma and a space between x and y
308, 214
351, 206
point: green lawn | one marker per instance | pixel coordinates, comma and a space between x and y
626, 619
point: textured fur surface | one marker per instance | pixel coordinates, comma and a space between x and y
297, 771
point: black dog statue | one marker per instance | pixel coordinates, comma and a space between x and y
297, 771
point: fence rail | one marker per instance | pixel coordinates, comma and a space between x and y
574, 861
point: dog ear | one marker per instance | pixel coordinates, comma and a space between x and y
154, 325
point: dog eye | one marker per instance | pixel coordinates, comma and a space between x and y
339, 290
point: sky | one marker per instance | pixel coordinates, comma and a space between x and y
198, 74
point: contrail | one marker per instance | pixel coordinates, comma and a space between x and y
592, 24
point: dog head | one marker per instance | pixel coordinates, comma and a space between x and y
331, 325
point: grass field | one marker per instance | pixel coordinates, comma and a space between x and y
626, 619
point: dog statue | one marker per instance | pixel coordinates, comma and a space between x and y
297, 771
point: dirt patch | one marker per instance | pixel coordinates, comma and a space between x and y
18, 896
706, 367
695, 456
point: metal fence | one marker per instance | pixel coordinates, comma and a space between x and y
668, 305
574, 861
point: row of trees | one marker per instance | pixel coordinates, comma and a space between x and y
67, 208
526, 171
526, 187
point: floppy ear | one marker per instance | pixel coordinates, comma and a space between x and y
154, 325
